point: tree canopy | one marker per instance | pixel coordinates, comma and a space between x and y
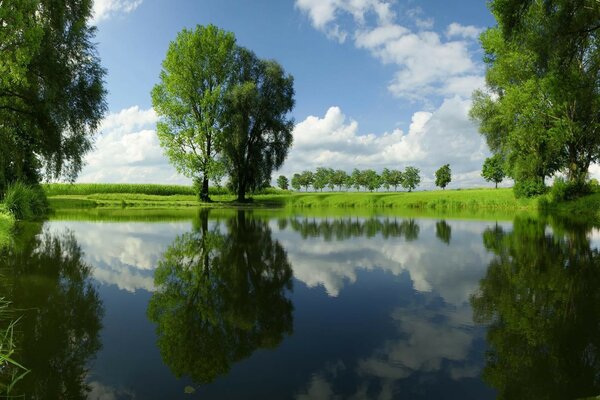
52, 95
493, 170
541, 109
443, 176
411, 178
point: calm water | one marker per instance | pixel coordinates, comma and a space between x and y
231, 305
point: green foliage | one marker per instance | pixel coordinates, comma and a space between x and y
221, 295
411, 178
52, 95
296, 182
258, 131
306, 179
443, 176
339, 178
25, 201
540, 304
493, 170
564, 190
529, 188
541, 111
322, 178
370, 179
282, 182
196, 74
58, 189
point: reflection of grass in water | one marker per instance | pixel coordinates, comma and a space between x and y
11, 371
6, 224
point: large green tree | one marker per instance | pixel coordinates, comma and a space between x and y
196, 75
493, 169
542, 107
411, 178
257, 126
52, 95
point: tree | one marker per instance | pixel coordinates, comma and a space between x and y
196, 75
385, 178
322, 178
52, 95
283, 182
306, 179
541, 109
395, 178
357, 179
492, 169
443, 176
257, 129
411, 178
297, 182
371, 180
339, 178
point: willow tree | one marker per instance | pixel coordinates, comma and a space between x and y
257, 127
52, 95
190, 99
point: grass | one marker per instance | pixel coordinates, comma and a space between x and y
11, 370
7, 222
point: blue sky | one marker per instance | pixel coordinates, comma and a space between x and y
379, 83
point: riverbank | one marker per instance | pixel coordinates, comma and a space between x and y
7, 222
109, 196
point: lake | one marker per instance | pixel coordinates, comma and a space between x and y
227, 304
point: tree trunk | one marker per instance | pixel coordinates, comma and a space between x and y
496, 185
204, 191
241, 191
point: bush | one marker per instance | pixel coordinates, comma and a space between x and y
25, 201
529, 188
563, 190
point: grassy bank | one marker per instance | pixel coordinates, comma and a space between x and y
99, 196
7, 222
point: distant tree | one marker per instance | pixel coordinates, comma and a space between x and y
257, 133
395, 179
306, 179
411, 178
493, 170
322, 177
330, 182
372, 181
283, 182
443, 176
297, 182
339, 178
385, 178
197, 72
357, 179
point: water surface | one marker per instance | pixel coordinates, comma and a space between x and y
242, 305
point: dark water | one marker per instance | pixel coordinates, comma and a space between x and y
231, 305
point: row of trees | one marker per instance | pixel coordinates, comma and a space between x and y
339, 179
52, 94
222, 110
541, 110
368, 179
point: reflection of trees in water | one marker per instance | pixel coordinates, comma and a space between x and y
541, 299
220, 296
50, 285
346, 228
443, 231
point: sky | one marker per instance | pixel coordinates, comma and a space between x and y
378, 83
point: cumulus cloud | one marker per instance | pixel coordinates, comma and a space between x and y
446, 135
425, 61
468, 32
127, 150
105, 9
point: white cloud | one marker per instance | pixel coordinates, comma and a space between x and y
467, 32
427, 64
446, 135
127, 150
105, 9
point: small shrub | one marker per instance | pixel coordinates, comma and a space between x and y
25, 201
563, 190
529, 188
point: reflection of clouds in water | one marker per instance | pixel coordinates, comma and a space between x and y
430, 342
453, 271
594, 237
99, 391
123, 254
